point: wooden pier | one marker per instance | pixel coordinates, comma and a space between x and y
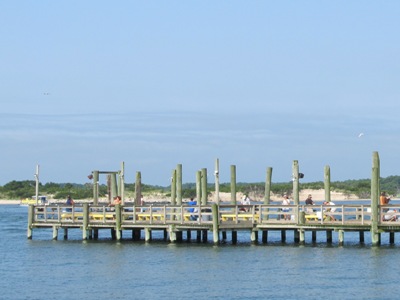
218, 219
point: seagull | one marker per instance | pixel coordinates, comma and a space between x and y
361, 135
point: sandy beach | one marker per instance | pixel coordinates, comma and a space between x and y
318, 195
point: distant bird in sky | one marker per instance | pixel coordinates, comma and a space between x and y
46, 93
361, 135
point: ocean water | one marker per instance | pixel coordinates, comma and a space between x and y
104, 269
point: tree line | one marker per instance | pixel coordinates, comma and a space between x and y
26, 188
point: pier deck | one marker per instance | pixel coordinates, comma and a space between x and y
173, 220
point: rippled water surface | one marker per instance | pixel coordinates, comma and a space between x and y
74, 269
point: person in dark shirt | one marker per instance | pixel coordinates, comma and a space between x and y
309, 200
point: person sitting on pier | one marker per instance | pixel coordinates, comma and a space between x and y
309, 201
69, 202
330, 209
390, 215
245, 201
117, 201
193, 210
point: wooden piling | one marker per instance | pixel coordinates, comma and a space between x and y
122, 183
198, 186
173, 187
215, 223
65, 233
341, 237
267, 194
204, 186
114, 186
95, 187
302, 237
31, 215
179, 184
118, 222
329, 236
55, 232
295, 178
85, 208
138, 189
234, 236
147, 234
233, 185
375, 235
327, 183
216, 173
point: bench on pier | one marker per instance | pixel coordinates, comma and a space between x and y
233, 217
92, 216
147, 217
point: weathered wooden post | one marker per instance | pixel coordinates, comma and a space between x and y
215, 223
173, 187
37, 184
341, 237
179, 234
114, 187
179, 184
198, 186
204, 186
138, 189
327, 183
85, 225
216, 173
267, 200
118, 222
95, 187
295, 178
375, 235
233, 185
122, 183
267, 195
55, 232
31, 215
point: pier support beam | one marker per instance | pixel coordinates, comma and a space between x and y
314, 236
55, 232
254, 236
118, 222
85, 221
283, 236
234, 236
215, 223
31, 212
205, 235
341, 237
302, 237
172, 234
391, 237
362, 237
65, 233
296, 235
265, 236
147, 234
329, 236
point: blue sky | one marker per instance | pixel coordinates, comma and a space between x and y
257, 84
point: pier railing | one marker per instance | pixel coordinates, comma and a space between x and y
346, 214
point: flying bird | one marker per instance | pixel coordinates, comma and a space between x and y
361, 135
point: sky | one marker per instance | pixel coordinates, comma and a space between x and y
87, 85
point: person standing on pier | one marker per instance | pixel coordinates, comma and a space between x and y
69, 202
384, 200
